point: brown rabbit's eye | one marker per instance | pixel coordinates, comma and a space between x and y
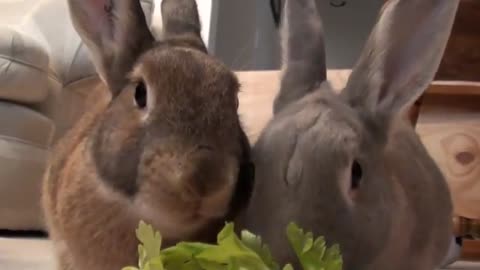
141, 95
356, 175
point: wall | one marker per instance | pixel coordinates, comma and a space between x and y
346, 29
234, 33
246, 37
462, 57
243, 34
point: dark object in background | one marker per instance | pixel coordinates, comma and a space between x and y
277, 5
461, 61
338, 3
468, 236
465, 227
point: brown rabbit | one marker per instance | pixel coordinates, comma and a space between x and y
167, 147
349, 166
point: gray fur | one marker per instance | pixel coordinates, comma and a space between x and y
400, 216
303, 53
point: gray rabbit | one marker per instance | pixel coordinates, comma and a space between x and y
349, 166
165, 146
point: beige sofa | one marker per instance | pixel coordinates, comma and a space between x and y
45, 74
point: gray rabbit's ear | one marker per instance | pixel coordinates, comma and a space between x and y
303, 51
115, 32
181, 20
402, 54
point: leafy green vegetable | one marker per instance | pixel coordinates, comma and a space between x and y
148, 249
232, 252
231, 249
313, 253
255, 243
151, 240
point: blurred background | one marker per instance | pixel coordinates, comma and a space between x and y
244, 34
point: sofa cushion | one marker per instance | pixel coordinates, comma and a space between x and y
25, 125
65, 107
25, 136
23, 67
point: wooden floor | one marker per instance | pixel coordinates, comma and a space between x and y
35, 254
25, 254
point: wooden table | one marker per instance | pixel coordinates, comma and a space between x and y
36, 254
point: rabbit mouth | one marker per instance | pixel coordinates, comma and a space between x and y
206, 211
216, 205
183, 221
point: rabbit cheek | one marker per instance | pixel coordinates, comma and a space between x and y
216, 205
211, 179
116, 155
171, 216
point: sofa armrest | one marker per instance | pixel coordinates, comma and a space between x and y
21, 57
69, 60
79, 61
24, 64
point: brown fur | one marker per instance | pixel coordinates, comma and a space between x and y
176, 164
399, 215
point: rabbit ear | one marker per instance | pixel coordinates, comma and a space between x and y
180, 19
402, 54
303, 50
115, 32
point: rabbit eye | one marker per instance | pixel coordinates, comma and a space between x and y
356, 175
141, 95
237, 104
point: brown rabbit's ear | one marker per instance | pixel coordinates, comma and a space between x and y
115, 32
180, 19
303, 51
402, 55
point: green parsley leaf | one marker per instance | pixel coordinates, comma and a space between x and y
255, 243
150, 239
232, 252
313, 254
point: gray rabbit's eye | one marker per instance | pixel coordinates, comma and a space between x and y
141, 95
356, 175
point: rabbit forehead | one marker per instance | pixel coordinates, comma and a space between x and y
313, 142
319, 124
331, 121
182, 67
189, 87
327, 139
